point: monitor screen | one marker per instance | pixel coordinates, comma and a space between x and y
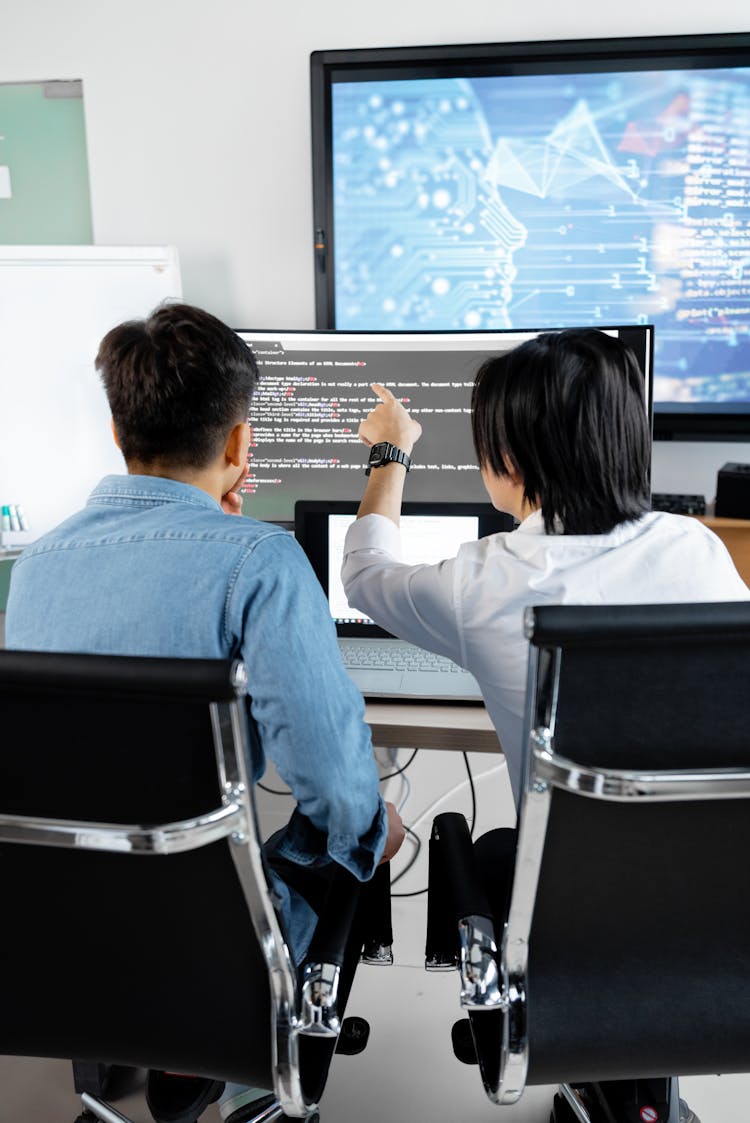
314, 389
525, 184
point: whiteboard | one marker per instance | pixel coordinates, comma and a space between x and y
56, 303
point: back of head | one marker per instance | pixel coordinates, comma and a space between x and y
565, 411
176, 384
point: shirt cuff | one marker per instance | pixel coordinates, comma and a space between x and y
302, 843
361, 855
374, 532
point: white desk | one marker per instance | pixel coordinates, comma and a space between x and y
415, 725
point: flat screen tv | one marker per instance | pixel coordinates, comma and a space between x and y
512, 185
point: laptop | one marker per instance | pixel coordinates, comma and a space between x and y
381, 665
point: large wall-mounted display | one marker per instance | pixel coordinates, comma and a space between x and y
547, 184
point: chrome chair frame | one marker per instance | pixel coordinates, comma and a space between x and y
548, 770
478, 960
294, 1011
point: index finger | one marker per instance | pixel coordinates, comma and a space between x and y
382, 392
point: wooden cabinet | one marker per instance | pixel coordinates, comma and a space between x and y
735, 534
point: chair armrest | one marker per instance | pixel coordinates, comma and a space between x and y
460, 930
463, 883
375, 905
348, 902
321, 972
319, 1015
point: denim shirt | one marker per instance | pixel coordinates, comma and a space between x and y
152, 566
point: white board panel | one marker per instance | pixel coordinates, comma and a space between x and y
56, 303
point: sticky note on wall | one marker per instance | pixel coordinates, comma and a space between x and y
5, 191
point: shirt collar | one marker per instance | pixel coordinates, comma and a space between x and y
532, 524
150, 490
623, 532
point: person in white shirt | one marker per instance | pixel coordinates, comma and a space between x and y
562, 440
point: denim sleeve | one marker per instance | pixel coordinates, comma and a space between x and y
309, 714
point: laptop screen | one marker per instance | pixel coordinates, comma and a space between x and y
425, 539
430, 533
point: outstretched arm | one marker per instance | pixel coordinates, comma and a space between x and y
389, 421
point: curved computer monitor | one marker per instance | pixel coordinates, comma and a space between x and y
314, 389
510, 185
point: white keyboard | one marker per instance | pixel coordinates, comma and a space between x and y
383, 655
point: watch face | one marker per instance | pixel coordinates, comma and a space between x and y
377, 453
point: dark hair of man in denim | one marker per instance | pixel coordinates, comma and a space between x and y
176, 383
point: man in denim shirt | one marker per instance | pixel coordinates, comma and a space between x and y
155, 565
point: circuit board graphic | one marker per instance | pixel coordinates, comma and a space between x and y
551, 201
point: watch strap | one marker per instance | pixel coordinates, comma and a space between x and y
392, 455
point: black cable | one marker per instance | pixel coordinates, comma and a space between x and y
401, 769
472, 789
416, 893
278, 791
273, 791
413, 858
409, 831
408, 866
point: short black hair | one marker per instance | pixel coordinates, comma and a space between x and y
565, 410
176, 383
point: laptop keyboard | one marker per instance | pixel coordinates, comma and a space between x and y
383, 657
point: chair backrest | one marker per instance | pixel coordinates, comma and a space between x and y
138, 926
627, 949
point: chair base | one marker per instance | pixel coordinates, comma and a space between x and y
618, 1101
97, 1110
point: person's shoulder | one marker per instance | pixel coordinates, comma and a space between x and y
253, 536
56, 538
242, 530
678, 526
495, 550
693, 539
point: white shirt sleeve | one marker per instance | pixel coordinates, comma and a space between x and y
415, 603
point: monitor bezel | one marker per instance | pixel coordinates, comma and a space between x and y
636, 52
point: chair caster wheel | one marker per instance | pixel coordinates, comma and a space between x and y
463, 1042
353, 1037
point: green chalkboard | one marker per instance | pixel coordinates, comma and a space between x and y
5, 568
44, 175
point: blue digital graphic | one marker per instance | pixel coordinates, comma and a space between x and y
549, 201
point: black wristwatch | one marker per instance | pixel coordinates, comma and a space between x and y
385, 453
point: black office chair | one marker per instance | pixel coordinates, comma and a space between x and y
139, 928
623, 951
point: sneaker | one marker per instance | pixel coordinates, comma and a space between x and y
687, 1115
259, 1109
172, 1098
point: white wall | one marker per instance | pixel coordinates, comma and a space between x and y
197, 116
